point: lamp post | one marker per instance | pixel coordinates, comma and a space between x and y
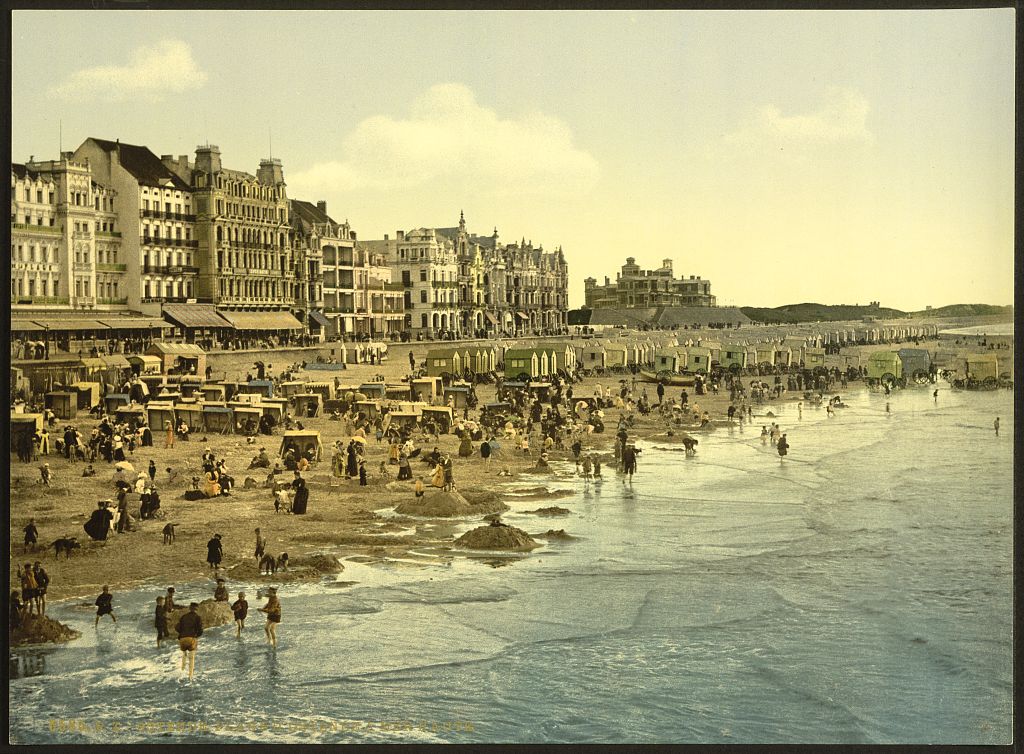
46, 342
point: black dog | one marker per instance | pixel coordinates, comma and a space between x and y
67, 544
169, 534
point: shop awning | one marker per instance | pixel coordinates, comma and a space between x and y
319, 318
67, 325
522, 315
134, 323
115, 360
491, 318
262, 320
24, 325
195, 316
144, 359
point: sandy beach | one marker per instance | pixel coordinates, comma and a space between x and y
341, 520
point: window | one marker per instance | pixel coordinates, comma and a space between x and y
39, 196
423, 320
423, 297
423, 276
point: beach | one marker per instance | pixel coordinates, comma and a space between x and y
341, 517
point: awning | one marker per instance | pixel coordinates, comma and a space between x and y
320, 319
143, 359
115, 360
522, 315
195, 316
134, 323
91, 362
262, 320
23, 325
491, 318
64, 325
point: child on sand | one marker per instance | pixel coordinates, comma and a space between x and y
105, 605
160, 621
240, 608
419, 487
220, 594
273, 611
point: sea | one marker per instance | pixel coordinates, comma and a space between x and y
857, 591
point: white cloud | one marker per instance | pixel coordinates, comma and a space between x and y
165, 68
842, 119
449, 136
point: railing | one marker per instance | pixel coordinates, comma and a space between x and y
157, 241
108, 233
170, 269
165, 300
112, 301
107, 267
36, 228
41, 300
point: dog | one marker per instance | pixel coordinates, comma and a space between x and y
282, 562
67, 544
268, 565
169, 534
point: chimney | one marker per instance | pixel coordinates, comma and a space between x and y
386, 237
400, 235
322, 206
208, 159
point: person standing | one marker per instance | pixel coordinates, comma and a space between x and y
629, 461
105, 605
169, 439
412, 362
240, 608
42, 582
996, 425
661, 392
273, 611
29, 588
485, 451
152, 470
261, 545
190, 628
301, 496
160, 622
31, 535
214, 552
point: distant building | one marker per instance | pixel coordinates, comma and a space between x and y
635, 288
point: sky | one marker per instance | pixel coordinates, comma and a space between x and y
837, 157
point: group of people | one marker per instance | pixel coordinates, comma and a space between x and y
31, 598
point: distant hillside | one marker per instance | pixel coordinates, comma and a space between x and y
966, 310
819, 313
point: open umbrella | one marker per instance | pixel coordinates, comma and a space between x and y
124, 466
359, 439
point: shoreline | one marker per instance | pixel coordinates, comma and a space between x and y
342, 520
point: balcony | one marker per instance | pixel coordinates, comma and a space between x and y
41, 300
108, 234
36, 228
112, 301
106, 267
165, 300
170, 269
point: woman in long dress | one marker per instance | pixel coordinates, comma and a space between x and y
437, 479
301, 499
352, 465
338, 462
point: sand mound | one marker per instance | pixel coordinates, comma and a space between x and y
211, 612
447, 505
491, 537
543, 493
559, 534
318, 562
38, 629
553, 510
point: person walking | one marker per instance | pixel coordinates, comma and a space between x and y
261, 545
273, 611
31, 535
160, 622
996, 425
214, 552
782, 447
190, 628
661, 392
